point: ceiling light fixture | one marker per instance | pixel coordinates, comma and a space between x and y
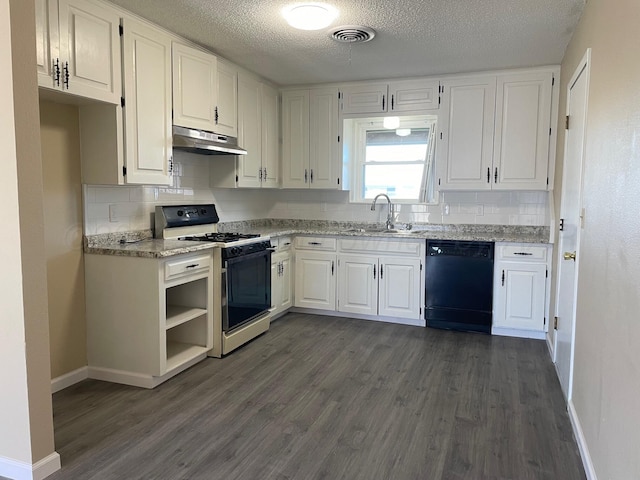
310, 16
403, 132
391, 122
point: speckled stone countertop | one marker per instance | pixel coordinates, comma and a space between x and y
484, 233
142, 244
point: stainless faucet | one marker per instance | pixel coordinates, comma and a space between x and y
389, 223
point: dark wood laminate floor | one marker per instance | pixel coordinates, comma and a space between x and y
329, 398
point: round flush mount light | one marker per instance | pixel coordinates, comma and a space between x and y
310, 16
403, 132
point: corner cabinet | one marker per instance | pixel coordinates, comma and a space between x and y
496, 132
148, 319
521, 290
78, 49
311, 143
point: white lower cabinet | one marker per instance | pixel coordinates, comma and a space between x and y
148, 319
281, 284
520, 290
315, 280
385, 286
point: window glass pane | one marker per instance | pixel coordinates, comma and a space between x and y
405, 180
386, 146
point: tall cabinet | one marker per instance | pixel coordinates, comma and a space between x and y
311, 142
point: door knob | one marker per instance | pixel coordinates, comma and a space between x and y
570, 256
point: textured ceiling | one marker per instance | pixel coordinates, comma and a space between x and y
414, 37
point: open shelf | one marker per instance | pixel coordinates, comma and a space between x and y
179, 314
179, 353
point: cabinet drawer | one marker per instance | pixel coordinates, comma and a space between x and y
531, 253
188, 265
316, 243
281, 243
380, 246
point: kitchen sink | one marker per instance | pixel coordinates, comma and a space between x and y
378, 230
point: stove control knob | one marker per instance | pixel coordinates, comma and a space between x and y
180, 213
203, 211
235, 250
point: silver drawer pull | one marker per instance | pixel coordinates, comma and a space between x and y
522, 253
193, 266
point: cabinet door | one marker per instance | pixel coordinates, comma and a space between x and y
523, 120
286, 283
400, 281
90, 50
358, 284
227, 97
270, 138
295, 139
370, 98
465, 156
194, 88
315, 280
47, 42
519, 295
249, 132
323, 138
147, 112
413, 95
276, 285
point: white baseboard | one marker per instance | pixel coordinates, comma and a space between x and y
332, 313
514, 332
24, 471
582, 443
68, 379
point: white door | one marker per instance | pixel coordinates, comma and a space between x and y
399, 294
226, 113
315, 280
523, 121
147, 112
519, 293
270, 139
295, 139
371, 98
465, 155
358, 284
323, 138
47, 43
569, 236
276, 284
90, 50
194, 88
249, 132
285, 281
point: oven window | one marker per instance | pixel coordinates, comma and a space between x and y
248, 288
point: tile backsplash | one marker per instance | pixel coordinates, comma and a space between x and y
125, 208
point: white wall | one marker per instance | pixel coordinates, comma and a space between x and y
117, 209
606, 385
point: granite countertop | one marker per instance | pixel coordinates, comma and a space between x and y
142, 243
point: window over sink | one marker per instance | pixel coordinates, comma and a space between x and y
392, 155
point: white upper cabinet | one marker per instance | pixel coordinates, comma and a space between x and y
467, 122
147, 111
78, 49
495, 132
194, 88
400, 96
310, 138
226, 112
521, 146
270, 136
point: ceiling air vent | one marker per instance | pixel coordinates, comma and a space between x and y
352, 34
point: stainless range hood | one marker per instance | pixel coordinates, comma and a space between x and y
205, 143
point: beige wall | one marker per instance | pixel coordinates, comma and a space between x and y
59, 135
24, 358
607, 350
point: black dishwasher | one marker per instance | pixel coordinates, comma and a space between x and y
459, 285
